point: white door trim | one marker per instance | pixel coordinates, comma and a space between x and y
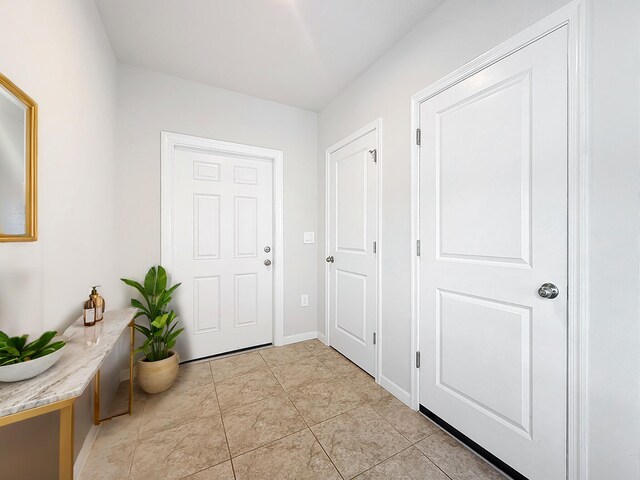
573, 16
377, 126
171, 140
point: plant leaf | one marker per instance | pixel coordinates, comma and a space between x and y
150, 281
161, 281
137, 286
143, 330
173, 289
17, 342
44, 339
138, 304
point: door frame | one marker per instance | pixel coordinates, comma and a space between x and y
376, 126
573, 16
171, 140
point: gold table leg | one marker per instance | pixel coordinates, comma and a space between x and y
132, 339
96, 385
65, 455
65, 462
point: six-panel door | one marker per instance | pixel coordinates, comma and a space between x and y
222, 225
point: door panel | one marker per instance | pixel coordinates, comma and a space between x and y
351, 202
496, 122
351, 305
493, 228
467, 327
352, 231
207, 304
222, 220
207, 226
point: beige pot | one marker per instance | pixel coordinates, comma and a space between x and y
156, 377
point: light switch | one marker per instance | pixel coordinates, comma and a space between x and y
304, 300
309, 237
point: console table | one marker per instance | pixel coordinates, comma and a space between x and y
59, 386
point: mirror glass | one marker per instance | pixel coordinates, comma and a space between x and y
17, 163
13, 165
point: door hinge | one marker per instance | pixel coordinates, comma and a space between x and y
374, 155
375, 247
417, 359
418, 136
374, 338
418, 248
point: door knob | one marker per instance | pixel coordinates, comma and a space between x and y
267, 249
267, 262
548, 290
330, 259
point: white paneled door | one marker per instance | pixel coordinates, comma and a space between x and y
493, 231
221, 250
352, 229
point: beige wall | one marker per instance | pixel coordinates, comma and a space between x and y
455, 33
59, 54
150, 102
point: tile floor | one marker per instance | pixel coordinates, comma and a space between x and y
302, 411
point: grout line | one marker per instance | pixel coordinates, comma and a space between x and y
207, 468
389, 458
476, 455
224, 429
289, 398
135, 448
432, 461
326, 453
307, 423
367, 403
269, 443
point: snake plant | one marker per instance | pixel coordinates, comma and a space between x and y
17, 350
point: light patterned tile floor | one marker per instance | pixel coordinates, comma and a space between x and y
302, 411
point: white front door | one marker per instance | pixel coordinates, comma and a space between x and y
222, 210
493, 229
353, 179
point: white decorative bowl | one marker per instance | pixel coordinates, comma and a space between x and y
25, 370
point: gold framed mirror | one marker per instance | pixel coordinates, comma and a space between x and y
18, 164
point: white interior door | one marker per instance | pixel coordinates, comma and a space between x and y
221, 224
493, 227
352, 305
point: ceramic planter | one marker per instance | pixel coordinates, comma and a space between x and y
156, 377
24, 370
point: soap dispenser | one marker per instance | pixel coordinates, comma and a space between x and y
98, 303
89, 315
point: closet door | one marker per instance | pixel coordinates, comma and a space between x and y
493, 269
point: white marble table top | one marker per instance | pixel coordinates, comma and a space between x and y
86, 349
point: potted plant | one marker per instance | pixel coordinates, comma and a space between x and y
158, 369
20, 360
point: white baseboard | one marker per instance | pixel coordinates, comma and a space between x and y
323, 338
83, 455
398, 392
300, 337
124, 374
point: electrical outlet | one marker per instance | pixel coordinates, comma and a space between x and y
304, 300
309, 237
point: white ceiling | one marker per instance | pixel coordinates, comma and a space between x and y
298, 52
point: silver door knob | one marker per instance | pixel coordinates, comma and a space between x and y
330, 259
548, 290
267, 262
